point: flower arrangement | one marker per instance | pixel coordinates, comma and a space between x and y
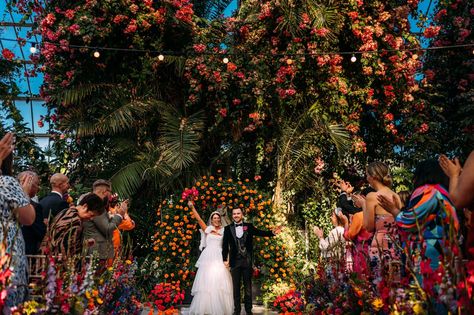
166, 295
291, 302
175, 239
190, 194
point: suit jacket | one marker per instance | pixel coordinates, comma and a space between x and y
101, 229
229, 243
347, 205
34, 234
52, 204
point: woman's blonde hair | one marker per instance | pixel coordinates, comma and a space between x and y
380, 172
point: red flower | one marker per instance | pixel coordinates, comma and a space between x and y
199, 48
7, 54
231, 67
223, 112
431, 31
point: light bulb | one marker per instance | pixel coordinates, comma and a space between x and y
225, 60
96, 54
161, 57
289, 61
353, 58
33, 49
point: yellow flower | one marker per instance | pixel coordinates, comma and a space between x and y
110, 269
99, 301
377, 304
128, 262
88, 295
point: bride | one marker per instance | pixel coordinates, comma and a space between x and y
212, 287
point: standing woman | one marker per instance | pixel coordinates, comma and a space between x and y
212, 287
378, 220
15, 210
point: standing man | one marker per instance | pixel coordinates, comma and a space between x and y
237, 252
53, 203
101, 228
33, 234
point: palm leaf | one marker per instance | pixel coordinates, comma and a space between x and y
340, 137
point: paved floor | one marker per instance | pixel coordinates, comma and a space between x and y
257, 310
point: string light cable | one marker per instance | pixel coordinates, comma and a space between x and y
161, 54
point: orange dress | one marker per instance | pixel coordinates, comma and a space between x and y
126, 225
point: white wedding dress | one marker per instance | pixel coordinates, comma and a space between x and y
212, 287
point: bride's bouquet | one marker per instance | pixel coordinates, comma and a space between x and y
189, 194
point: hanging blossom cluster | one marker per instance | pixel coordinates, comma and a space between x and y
138, 24
276, 65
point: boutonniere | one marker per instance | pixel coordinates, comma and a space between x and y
245, 227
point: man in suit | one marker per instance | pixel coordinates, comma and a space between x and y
32, 234
53, 203
102, 227
237, 252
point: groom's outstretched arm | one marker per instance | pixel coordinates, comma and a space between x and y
225, 245
258, 232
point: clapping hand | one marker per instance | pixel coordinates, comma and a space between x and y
6, 146
319, 233
389, 204
359, 201
123, 208
451, 168
27, 184
277, 230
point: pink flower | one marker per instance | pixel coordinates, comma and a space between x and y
353, 15
119, 18
431, 31
132, 27
74, 29
424, 128
389, 116
236, 101
429, 74
199, 48
69, 14
134, 8
321, 32
223, 112
257, 177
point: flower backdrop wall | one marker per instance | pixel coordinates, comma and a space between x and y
176, 237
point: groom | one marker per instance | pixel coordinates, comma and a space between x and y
237, 252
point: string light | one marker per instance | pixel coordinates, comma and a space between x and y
225, 60
353, 58
96, 54
33, 49
161, 57
318, 53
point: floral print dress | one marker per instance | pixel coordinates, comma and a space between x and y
12, 197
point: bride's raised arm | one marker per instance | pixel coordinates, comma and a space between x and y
197, 216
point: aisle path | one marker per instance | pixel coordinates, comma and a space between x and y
257, 310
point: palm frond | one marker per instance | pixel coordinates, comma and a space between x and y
128, 179
340, 137
180, 137
80, 92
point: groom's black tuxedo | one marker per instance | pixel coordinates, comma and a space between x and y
229, 243
239, 252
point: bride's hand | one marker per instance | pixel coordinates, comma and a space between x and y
226, 263
190, 204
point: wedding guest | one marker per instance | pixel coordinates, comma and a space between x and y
65, 234
102, 227
127, 225
334, 245
32, 234
53, 203
461, 180
344, 200
379, 221
15, 209
424, 220
461, 191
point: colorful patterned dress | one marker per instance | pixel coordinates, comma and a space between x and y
430, 211
12, 197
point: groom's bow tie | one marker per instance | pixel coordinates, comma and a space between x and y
239, 224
